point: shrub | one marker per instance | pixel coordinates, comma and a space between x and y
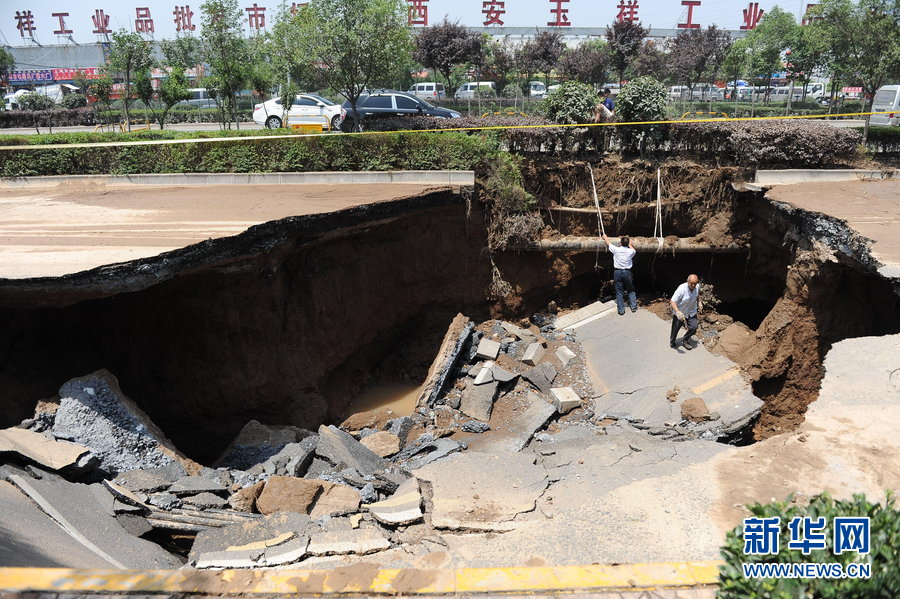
883, 557
883, 139
571, 103
33, 102
503, 189
644, 99
73, 101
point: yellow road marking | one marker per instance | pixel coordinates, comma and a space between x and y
713, 382
363, 578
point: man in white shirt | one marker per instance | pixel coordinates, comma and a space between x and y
685, 303
622, 279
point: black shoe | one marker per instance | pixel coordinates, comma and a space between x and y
673, 345
633, 310
621, 314
689, 344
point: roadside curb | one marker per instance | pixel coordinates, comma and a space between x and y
367, 578
444, 177
791, 176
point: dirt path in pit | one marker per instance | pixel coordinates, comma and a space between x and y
53, 232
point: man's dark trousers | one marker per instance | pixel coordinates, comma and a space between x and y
623, 282
690, 322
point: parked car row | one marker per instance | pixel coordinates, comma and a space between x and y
389, 102
307, 109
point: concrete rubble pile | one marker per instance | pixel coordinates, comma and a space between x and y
283, 495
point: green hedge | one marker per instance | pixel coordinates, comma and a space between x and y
883, 139
294, 153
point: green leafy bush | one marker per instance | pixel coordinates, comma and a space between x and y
571, 103
884, 556
33, 102
503, 189
883, 139
73, 101
644, 99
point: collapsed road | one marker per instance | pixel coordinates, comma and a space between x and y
542, 436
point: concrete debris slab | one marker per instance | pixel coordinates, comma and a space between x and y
433, 451
694, 409
401, 427
38, 448
146, 481
533, 354
564, 355
244, 533
360, 541
355, 520
124, 495
165, 501
258, 442
475, 426
77, 509
335, 500
442, 367
244, 500
523, 334
94, 412
484, 375
584, 315
541, 376
343, 451
288, 494
382, 443
191, 485
478, 400
462, 501
293, 459
403, 507
521, 417
565, 399
206, 500
487, 349
500, 375
133, 524
170, 472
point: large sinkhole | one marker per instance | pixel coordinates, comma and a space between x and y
287, 322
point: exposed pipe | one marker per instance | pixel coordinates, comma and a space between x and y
677, 245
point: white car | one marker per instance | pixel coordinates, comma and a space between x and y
308, 109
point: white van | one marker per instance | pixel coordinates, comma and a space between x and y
887, 99
537, 89
200, 97
427, 89
467, 90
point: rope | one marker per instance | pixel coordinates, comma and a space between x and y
599, 217
657, 225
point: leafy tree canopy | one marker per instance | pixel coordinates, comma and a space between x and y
624, 39
446, 44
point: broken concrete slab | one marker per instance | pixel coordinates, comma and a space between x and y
523, 334
360, 541
484, 375
487, 349
444, 362
293, 459
564, 355
431, 452
205, 500
584, 315
192, 485
55, 455
403, 507
401, 427
288, 494
382, 443
541, 376
461, 500
77, 509
523, 415
343, 451
247, 532
565, 399
164, 501
145, 481
258, 442
133, 524
533, 354
94, 412
477, 401
283, 549
335, 500
125, 495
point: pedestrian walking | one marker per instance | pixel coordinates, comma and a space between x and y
685, 303
623, 257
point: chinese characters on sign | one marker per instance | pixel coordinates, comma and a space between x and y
101, 23
183, 16
62, 24
809, 18
418, 12
752, 14
761, 535
142, 22
690, 14
25, 23
627, 11
562, 19
256, 16
493, 10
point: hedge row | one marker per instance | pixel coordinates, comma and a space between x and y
392, 151
883, 139
89, 117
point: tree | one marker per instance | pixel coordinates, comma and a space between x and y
541, 54
442, 46
767, 42
865, 42
624, 39
352, 44
260, 72
501, 61
34, 102
807, 54
172, 90
697, 54
736, 64
651, 61
7, 63
101, 88
184, 52
129, 55
644, 99
225, 49
289, 91
586, 63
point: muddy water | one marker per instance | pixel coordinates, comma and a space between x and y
400, 398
